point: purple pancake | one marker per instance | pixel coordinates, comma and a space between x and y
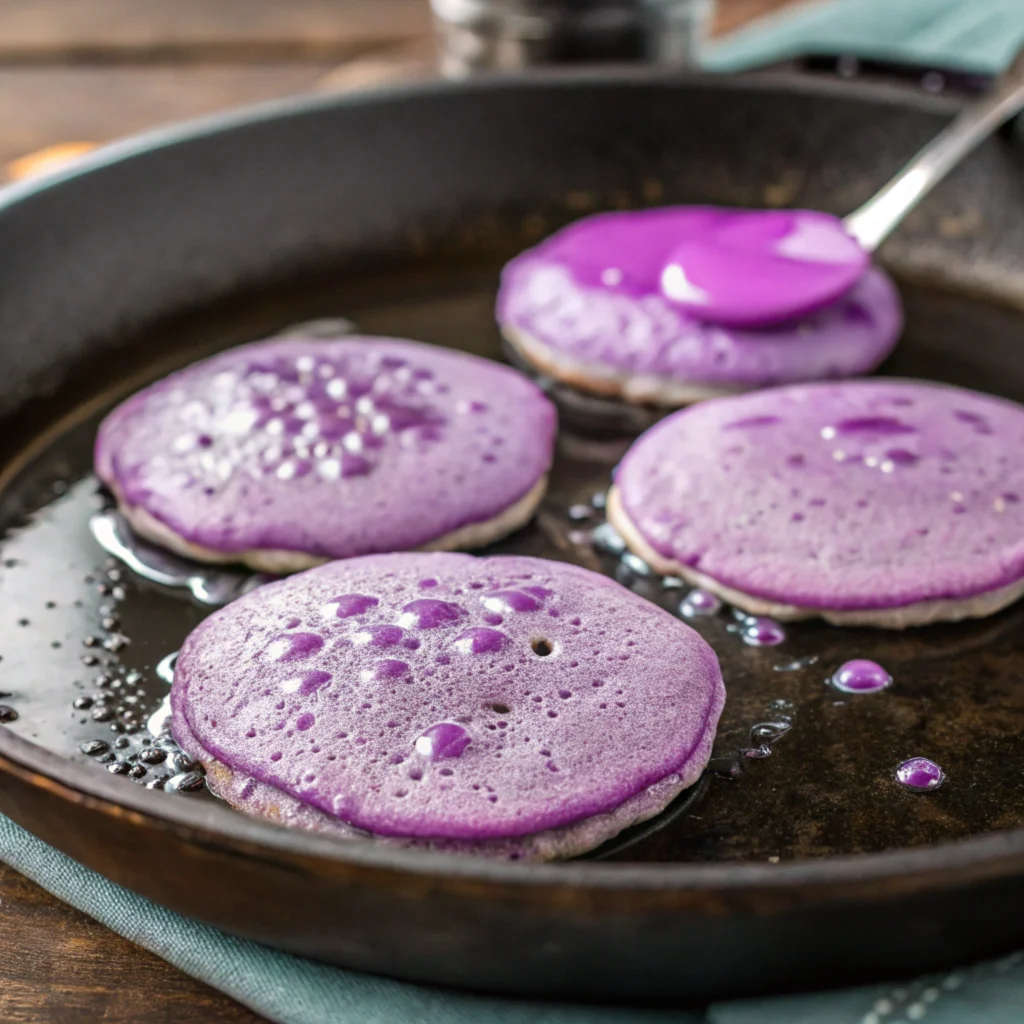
592, 306
501, 705
880, 502
286, 453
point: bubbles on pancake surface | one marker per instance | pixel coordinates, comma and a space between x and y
308, 683
294, 646
428, 613
861, 496
292, 415
379, 636
347, 605
328, 449
443, 740
481, 640
527, 703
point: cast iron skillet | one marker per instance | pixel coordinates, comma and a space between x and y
397, 209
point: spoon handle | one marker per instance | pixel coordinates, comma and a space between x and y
873, 222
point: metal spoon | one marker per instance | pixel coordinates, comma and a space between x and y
873, 222
756, 268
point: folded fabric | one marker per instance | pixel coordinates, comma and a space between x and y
292, 990
978, 36
284, 988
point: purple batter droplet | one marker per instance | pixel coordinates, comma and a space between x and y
389, 668
762, 632
380, 636
429, 613
512, 601
920, 775
308, 683
294, 646
861, 676
481, 640
443, 740
352, 604
754, 267
699, 602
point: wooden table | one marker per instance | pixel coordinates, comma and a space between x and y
86, 71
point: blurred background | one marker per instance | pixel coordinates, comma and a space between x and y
74, 73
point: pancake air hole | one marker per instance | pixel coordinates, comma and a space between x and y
542, 647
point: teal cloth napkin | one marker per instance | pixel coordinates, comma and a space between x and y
292, 990
970, 35
976, 36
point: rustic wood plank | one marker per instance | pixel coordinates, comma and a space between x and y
43, 106
112, 101
53, 30
414, 60
60, 967
46, 106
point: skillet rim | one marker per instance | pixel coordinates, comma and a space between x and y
907, 870
194, 129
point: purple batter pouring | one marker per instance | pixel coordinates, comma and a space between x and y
673, 305
507, 706
754, 268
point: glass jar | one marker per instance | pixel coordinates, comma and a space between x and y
510, 35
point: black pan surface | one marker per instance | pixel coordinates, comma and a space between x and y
806, 865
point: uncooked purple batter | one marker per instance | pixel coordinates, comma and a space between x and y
699, 296
752, 268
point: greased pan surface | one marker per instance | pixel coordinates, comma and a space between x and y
396, 211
